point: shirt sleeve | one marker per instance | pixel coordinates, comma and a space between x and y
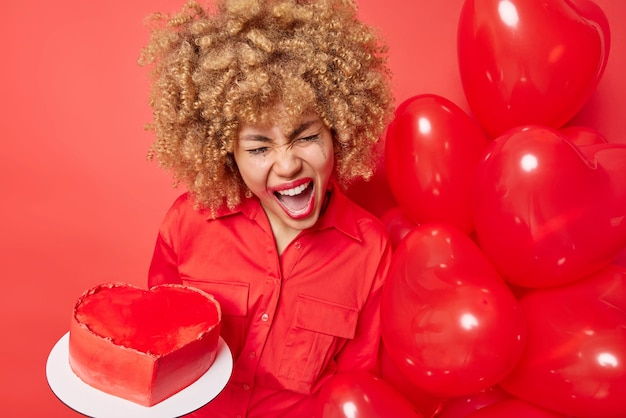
361, 353
164, 266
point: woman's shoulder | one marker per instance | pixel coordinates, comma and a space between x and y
185, 210
184, 203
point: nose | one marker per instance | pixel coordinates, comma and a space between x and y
287, 163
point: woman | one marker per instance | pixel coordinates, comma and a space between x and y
265, 111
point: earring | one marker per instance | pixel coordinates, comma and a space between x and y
248, 193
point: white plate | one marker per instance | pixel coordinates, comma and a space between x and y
94, 403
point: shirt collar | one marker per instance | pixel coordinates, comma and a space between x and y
339, 213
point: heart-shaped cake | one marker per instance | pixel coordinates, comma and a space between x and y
143, 345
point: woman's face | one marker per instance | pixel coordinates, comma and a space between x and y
288, 171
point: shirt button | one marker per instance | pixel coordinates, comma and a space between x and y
297, 245
265, 317
252, 354
246, 387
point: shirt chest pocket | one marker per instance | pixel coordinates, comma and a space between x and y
319, 330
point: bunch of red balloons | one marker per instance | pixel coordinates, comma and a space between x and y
506, 295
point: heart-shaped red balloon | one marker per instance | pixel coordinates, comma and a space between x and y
575, 357
530, 61
449, 322
431, 152
548, 212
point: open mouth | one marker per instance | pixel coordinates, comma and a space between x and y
297, 201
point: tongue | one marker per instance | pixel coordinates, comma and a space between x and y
295, 203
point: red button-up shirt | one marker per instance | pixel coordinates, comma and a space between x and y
291, 320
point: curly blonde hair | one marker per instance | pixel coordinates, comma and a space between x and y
213, 70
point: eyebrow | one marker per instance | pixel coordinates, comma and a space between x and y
304, 126
262, 138
255, 137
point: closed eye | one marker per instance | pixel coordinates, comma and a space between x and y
311, 138
257, 151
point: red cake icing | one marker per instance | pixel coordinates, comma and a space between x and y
143, 345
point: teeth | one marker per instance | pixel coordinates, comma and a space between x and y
294, 191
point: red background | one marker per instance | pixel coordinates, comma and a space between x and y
80, 204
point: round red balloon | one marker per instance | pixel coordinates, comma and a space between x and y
361, 395
530, 61
431, 151
575, 358
548, 212
449, 322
